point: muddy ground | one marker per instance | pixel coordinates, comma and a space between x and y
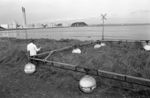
49, 82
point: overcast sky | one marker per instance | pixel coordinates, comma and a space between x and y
55, 10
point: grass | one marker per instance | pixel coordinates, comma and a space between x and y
125, 58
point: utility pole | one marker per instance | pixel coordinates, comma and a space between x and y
103, 20
24, 16
25, 22
24, 19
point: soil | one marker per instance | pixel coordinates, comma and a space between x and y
49, 82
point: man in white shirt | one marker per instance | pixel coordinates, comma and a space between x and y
32, 49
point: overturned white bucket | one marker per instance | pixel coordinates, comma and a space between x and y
76, 50
87, 84
29, 68
146, 47
103, 44
96, 46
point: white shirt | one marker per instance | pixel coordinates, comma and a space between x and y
32, 49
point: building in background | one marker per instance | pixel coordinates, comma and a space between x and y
13, 25
5, 26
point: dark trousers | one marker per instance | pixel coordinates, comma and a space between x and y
35, 62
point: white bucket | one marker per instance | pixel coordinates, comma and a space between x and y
87, 84
29, 68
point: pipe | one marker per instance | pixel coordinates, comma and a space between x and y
101, 73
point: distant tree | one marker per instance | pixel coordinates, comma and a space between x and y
59, 25
78, 24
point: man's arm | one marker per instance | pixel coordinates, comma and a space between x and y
37, 49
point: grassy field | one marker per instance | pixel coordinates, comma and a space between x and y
48, 82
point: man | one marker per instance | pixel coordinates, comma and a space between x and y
32, 52
32, 49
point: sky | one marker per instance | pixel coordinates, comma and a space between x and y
40, 11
